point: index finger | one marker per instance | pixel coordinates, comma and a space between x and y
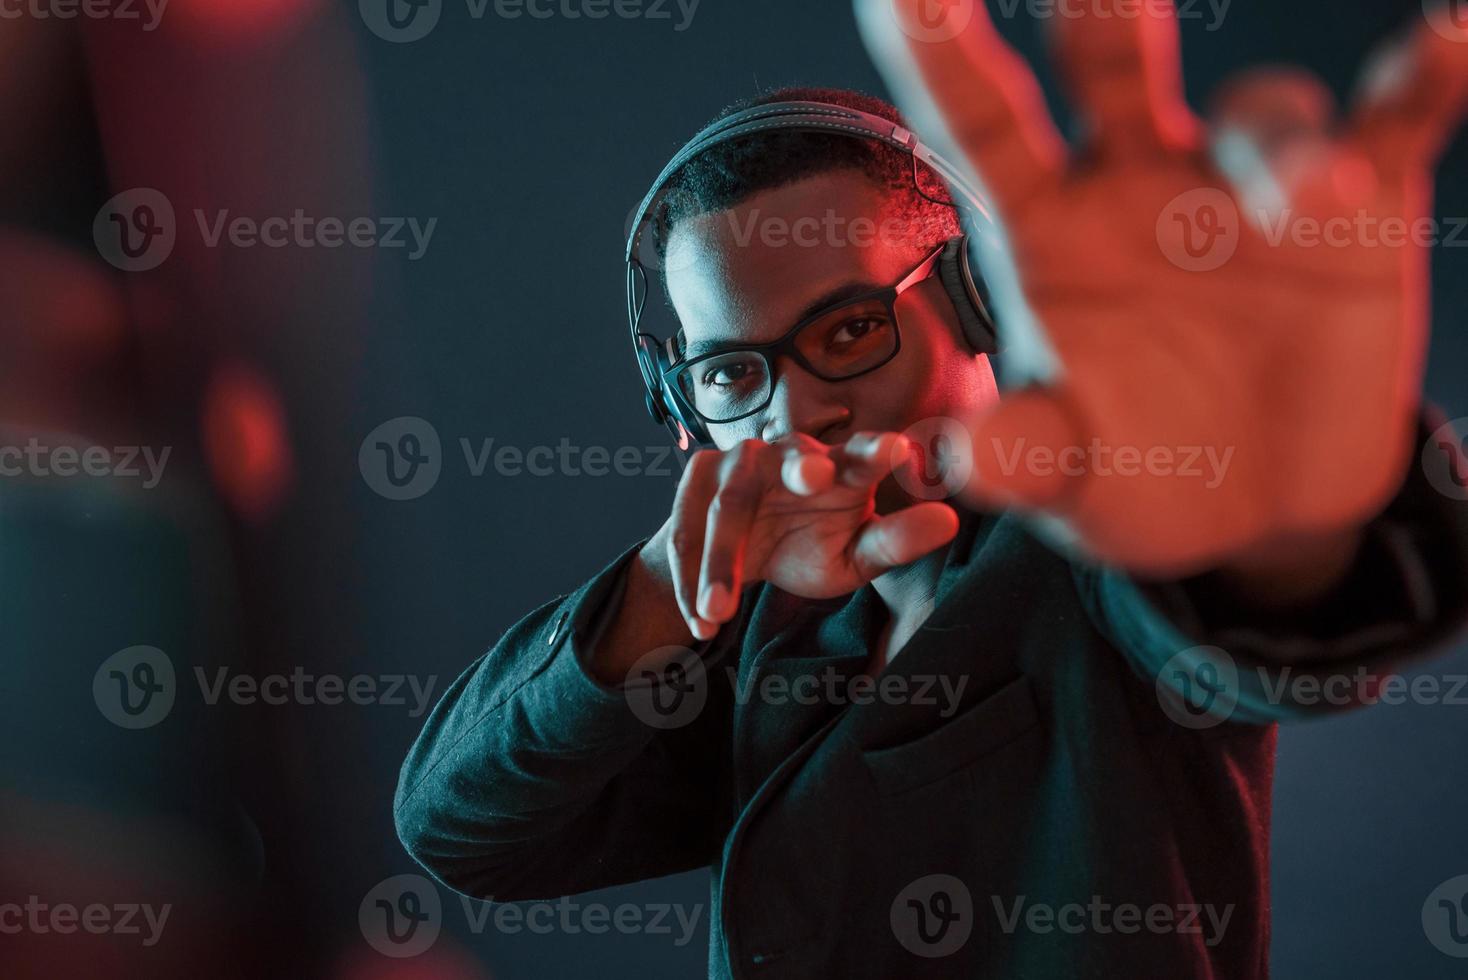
866, 458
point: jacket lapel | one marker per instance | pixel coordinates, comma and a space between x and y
946, 659
804, 650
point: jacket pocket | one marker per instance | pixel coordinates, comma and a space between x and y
963, 740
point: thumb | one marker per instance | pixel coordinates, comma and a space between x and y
907, 535
1025, 452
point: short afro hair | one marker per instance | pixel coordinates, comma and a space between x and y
734, 171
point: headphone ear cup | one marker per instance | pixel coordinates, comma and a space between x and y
663, 404
647, 364
681, 436
686, 426
678, 415
969, 297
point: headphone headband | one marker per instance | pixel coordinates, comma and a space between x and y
812, 117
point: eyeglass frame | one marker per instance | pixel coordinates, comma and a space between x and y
785, 344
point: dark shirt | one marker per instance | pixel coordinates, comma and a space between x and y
1067, 774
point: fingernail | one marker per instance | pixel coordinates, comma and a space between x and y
792, 474
703, 630
713, 599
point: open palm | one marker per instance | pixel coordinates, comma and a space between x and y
1237, 311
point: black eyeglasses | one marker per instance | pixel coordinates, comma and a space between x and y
843, 341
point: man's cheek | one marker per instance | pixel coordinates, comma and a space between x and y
884, 402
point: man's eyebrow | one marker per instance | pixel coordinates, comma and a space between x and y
838, 294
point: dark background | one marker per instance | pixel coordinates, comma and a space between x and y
529, 141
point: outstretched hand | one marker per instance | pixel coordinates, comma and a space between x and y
1251, 291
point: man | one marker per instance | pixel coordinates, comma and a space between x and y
1026, 731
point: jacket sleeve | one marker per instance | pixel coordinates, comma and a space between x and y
1405, 598
531, 780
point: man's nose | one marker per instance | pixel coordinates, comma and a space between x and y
801, 402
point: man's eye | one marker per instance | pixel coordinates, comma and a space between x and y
725, 375
853, 330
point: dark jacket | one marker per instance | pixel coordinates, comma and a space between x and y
1097, 805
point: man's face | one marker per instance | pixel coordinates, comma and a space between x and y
750, 274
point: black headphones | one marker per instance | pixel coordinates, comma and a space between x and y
965, 289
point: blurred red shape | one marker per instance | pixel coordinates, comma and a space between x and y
245, 441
